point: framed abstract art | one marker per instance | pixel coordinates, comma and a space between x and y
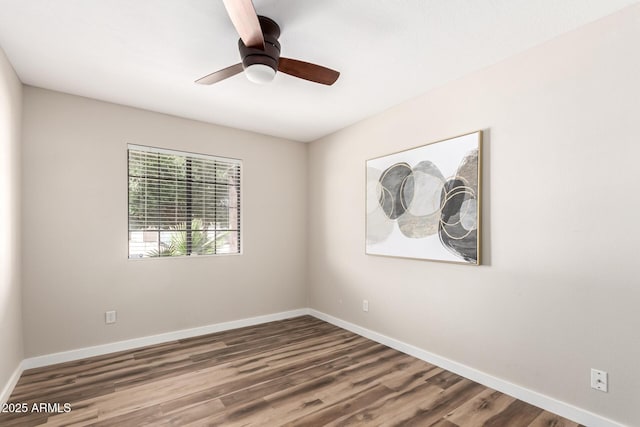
424, 203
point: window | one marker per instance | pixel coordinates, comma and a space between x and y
182, 204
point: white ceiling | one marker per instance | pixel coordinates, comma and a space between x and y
147, 53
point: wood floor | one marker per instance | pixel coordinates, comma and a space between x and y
295, 372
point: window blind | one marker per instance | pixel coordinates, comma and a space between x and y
182, 204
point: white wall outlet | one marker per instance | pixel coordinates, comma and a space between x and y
599, 380
110, 317
365, 305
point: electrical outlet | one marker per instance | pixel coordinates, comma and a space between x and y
110, 317
599, 380
365, 305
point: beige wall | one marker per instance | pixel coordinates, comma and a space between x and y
75, 228
559, 291
10, 292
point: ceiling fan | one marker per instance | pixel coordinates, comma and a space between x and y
260, 51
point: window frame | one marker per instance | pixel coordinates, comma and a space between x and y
185, 153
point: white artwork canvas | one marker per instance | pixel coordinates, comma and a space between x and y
424, 203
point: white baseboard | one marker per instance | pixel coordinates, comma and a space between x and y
545, 402
8, 388
534, 398
98, 350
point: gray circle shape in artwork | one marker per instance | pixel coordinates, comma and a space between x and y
469, 214
379, 226
452, 232
458, 230
407, 191
427, 190
375, 195
422, 217
454, 195
392, 181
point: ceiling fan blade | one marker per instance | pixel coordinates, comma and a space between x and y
225, 73
244, 18
308, 71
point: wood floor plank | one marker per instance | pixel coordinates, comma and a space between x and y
444, 423
450, 397
415, 374
423, 405
518, 412
475, 412
296, 372
296, 401
395, 408
547, 419
354, 402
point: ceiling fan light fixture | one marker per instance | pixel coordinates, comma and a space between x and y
260, 73
260, 51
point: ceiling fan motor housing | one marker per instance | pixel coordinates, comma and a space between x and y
261, 59
271, 53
